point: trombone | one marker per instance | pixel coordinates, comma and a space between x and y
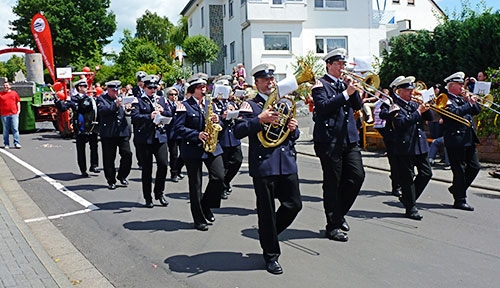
485, 101
438, 104
369, 84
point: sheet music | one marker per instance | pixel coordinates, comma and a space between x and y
159, 119
482, 88
128, 100
232, 114
428, 95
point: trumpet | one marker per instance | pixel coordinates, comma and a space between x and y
485, 101
438, 104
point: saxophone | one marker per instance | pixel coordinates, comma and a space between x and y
212, 129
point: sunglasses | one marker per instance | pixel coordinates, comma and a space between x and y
151, 87
173, 94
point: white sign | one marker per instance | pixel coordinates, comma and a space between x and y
63, 73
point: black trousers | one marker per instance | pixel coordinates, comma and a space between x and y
272, 222
212, 196
465, 166
393, 165
412, 186
160, 152
343, 175
109, 147
233, 158
176, 162
81, 140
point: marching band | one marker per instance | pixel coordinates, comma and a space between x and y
208, 130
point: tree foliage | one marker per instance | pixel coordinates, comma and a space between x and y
469, 45
155, 29
80, 28
200, 49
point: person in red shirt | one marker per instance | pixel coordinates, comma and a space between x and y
10, 106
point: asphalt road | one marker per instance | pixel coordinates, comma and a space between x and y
134, 246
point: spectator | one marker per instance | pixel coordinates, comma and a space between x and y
10, 107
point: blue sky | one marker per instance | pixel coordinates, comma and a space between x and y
127, 11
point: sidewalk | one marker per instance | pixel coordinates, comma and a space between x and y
23, 261
376, 160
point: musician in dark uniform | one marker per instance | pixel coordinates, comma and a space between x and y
460, 140
388, 137
138, 90
85, 125
231, 146
336, 143
174, 141
411, 146
190, 123
151, 139
273, 170
115, 134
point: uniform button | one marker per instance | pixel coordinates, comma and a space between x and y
419, 136
187, 142
230, 130
260, 157
326, 125
346, 121
283, 149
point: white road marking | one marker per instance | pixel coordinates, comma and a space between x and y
59, 187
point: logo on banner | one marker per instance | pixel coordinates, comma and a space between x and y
39, 25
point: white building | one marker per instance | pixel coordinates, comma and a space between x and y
258, 31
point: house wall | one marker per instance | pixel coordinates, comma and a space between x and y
364, 24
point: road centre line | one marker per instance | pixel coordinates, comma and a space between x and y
58, 186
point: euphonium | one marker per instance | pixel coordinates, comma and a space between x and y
212, 129
273, 134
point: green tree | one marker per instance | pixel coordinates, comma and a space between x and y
155, 29
14, 64
200, 49
80, 28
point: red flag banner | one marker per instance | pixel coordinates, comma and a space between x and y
43, 39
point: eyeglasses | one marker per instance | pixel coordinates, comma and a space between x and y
173, 94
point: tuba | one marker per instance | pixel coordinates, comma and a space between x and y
212, 129
273, 134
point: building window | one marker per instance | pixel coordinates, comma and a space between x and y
243, 2
202, 17
230, 5
411, 2
395, 1
277, 2
331, 4
224, 11
276, 41
190, 22
327, 44
231, 52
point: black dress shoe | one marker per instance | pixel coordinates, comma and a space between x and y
180, 176
201, 226
345, 227
229, 190
85, 174
93, 169
274, 267
174, 178
162, 200
463, 206
124, 182
396, 192
112, 186
337, 235
209, 215
224, 195
414, 215
149, 205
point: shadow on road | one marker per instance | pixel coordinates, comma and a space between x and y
118, 206
158, 225
288, 234
215, 261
